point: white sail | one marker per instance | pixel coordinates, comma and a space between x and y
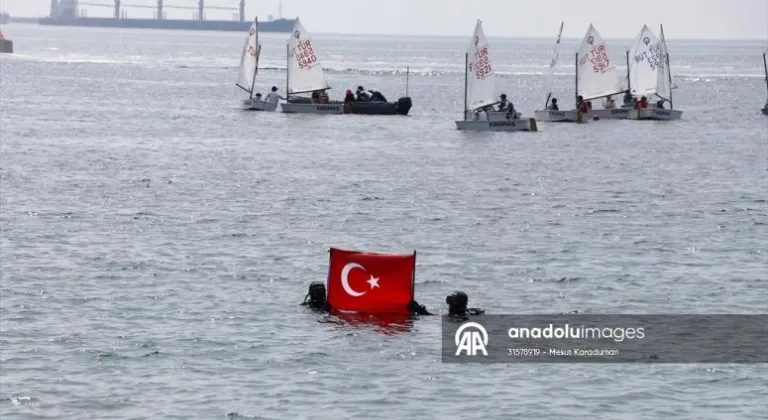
552, 63
597, 72
644, 63
664, 76
480, 77
249, 60
305, 73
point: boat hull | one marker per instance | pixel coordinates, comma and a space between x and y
334, 108
498, 125
610, 114
655, 114
571, 116
256, 105
305, 106
494, 116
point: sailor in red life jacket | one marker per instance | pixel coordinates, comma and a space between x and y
581, 105
642, 103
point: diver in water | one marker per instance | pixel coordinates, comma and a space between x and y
315, 298
457, 305
417, 309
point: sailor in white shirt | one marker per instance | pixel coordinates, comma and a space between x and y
481, 115
273, 96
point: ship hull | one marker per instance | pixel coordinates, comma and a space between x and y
281, 25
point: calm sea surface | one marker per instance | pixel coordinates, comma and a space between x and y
156, 242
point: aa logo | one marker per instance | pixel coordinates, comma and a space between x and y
471, 337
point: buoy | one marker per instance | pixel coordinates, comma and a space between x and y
6, 45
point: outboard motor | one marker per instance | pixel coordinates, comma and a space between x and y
403, 105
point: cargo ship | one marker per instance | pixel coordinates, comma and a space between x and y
68, 13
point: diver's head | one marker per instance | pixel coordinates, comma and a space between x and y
316, 293
457, 302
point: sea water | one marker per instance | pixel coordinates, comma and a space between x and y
157, 241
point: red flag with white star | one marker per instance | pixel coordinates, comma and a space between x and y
370, 282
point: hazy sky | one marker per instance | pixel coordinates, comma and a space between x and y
535, 18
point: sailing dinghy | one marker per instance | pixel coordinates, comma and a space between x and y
551, 115
304, 74
765, 66
479, 85
597, 77
249, 67
657, 81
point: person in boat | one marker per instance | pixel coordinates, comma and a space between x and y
315, 97
377, 96
272, 97
481, 115
553, 106
642, 103
317, 301
628, 99
660, 103
610, 103
257, 97
581, 105
349, 97
511, 114
504, 105
363, 95
324, 97
457, 305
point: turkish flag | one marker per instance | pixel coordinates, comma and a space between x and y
370, 282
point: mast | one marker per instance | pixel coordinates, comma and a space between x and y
577, 80
407, 77
256, 70
669, 67
629, 80
258, 55
466, 83
287, 71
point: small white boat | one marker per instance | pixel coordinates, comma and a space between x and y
249, 68
765, 66
650, 74
479, 90
597, 77
545, 114
304, 74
